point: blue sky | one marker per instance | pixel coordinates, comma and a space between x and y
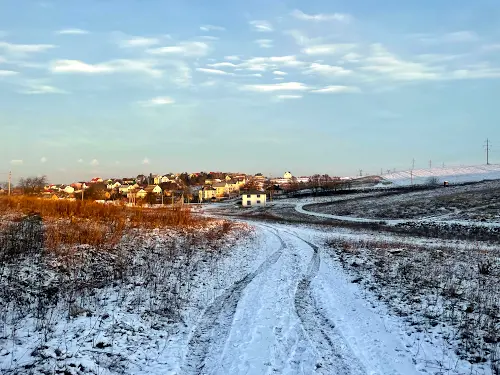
116, 88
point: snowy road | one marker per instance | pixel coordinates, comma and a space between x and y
295, 314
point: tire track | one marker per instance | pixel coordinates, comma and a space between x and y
334, 356
214, 326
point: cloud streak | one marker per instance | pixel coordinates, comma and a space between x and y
337, 90
72, 32
109, 67
341, 17
184, 49
272, 87
261, 26
158, 101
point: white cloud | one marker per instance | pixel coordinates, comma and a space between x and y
278, 78
8, 73
224, 64
114, 66
285, 97
145, 161
270, 63
271, 87
303, 40
43, 159
80, 160
72, 32
186, 49
477, 73
209, 37
94, 162
383, 62
261, 26
327, 70
16, 162
25, 48
139, 42
35, 89
341, 17
211, 28
160, 100
264, 43
232, 58
328, 49
337, 90
352, 57
280, 73
213, 71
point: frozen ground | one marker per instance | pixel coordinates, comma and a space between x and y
469, 203
273, 301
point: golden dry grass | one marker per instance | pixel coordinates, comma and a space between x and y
99, 225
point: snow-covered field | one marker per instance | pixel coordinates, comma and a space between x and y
451, 174
263, 298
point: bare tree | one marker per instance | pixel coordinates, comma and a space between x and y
32, 185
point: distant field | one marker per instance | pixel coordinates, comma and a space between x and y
478, 202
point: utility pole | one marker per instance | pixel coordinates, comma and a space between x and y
413, 164
360, 173
411, 177
430, 164
487, 146
10, 179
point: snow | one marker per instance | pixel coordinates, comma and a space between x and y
451, 174
275, 303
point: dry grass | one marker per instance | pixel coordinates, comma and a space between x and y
69, 223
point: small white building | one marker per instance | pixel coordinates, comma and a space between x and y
253, 198
288, 175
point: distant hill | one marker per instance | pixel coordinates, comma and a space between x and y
450, 174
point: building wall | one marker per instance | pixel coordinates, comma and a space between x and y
253, 200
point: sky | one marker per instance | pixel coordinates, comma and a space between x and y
116, 88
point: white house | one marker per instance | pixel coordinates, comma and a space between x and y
253, 198
69, 189
207, 193
288, 175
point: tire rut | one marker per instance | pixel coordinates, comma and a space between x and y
214, 326
334, 356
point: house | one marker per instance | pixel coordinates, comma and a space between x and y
274, 190
141, 194
220, 188
125, 189
96, 180
69, 189
207, 193
80, 185
113, 185
155, 189
302, 180
159, 179
253, 198
288, 175
232, 187
259, 176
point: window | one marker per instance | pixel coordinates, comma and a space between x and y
249, 203
258, 202
248, 196
258, 195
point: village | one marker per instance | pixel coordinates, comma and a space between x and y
180, 188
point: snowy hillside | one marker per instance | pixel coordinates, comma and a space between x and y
451, 174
